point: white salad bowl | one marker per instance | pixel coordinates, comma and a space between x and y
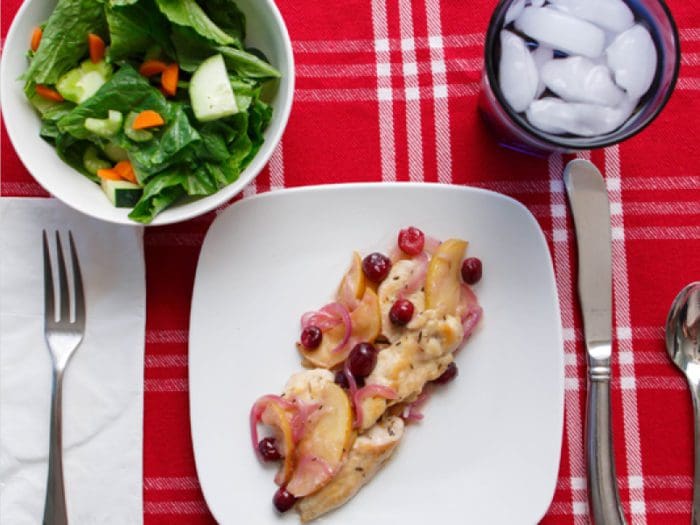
266, 31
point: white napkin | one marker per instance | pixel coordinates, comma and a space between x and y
103, 384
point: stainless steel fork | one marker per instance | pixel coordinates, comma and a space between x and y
63, 329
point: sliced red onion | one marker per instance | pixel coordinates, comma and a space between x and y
353, 390
370, 391
431, 244
256, 413
470, 321
300, 419
323, 320
417, 278
342, 312
412, 412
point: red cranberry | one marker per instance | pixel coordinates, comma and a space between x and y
376, 266
362, 360
268, 449
471, 270
401, 312
283, 500
448, 375
411, 240
341, 379
311, 337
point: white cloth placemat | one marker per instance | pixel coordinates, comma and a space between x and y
103, 385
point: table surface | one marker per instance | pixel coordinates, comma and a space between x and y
387, 91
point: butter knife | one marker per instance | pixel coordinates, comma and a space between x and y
590, 207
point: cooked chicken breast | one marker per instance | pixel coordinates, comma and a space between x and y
368, 454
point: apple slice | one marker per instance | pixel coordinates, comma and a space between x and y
276, 417
366, 322
443, 281
352, 287
322, 448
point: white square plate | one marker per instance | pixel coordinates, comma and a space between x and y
488, 449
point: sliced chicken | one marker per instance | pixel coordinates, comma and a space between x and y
369, 452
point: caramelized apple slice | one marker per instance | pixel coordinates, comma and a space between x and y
352, 287
366, 322
276, 417
325, 442
442, 281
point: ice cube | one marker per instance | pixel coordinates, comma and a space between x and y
613, 15
561, 31
633, 59
517, 72
553, 115
514, 11
578, 79
541, 56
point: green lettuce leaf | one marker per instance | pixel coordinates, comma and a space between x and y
136, 27
64, 41
188, 13
227, 15
247, 64
126, 91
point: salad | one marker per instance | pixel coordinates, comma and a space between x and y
373, 356
155, 100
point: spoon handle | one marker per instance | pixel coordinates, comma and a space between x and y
695, 392
602, 481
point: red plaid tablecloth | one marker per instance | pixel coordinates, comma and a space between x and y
386, 90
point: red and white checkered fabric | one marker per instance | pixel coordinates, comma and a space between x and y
386, 90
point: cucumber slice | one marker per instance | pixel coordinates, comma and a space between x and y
79, 84
93, 162
210, 91
121, 193
105, 127
137, 135
115, 153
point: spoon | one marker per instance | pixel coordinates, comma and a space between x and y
683, 347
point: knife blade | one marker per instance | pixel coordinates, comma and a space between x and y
588, 199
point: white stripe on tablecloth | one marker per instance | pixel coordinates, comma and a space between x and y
166, 361
194, 507
690, 182
690, 34
368, 69
156, 336
365, 46
688, 84
166, 385
414, 122
690, 59
277, 167
668, 233
441, 107
573, 412
171, 483
630, 411
384, 92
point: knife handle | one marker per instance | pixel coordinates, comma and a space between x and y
603, 495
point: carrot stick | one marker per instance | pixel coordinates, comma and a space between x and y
152, 67
36, 38
125, 171
147, 119
48, 93
109, 174
97, 48
169, 79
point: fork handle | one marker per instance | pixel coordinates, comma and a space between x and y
602, 481
55, 512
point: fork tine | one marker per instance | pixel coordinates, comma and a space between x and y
77, 283
64, 309
49, 305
